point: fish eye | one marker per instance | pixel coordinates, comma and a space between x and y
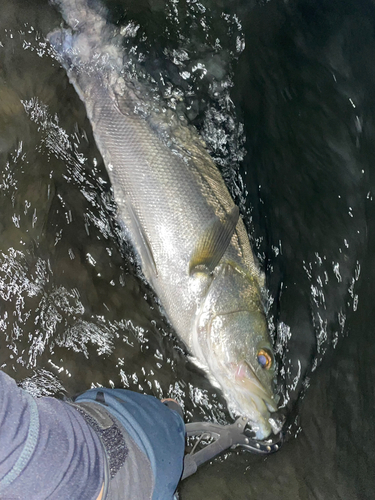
264, 357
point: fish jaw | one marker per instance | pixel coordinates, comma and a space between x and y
254, 399
246, 396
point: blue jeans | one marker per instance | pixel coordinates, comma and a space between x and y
157, 430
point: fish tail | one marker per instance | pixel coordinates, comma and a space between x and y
89, 37
82, 14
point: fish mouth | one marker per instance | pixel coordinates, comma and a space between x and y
246, 375
257, 402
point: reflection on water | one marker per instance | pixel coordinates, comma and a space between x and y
75, 311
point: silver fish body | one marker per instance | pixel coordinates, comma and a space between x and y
179, 215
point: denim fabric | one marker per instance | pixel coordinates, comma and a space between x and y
158, 431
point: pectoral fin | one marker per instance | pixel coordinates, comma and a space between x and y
214, 241
141, 242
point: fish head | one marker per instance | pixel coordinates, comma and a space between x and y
234, 340
244, 366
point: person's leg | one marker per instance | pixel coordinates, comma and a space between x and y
158, 430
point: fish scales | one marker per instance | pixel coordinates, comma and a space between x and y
172, 199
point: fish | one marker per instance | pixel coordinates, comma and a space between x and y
175, 208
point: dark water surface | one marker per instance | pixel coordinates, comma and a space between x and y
283, 94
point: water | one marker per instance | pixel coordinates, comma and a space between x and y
282, 94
